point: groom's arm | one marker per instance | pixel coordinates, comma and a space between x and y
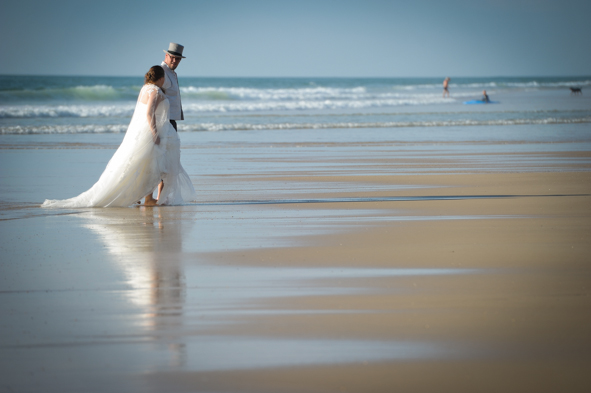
167, 83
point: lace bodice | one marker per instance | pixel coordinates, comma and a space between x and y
156, 106
150, 93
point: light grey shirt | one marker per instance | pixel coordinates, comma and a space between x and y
172, 92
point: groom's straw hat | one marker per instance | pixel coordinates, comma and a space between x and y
175, 50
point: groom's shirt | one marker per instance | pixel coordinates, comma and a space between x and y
172, 92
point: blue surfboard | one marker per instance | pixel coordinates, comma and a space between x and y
475, 102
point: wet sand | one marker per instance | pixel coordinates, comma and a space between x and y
497, 289
309, 277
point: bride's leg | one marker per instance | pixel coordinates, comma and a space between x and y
160, 186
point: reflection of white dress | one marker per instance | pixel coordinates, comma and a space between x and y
139, 164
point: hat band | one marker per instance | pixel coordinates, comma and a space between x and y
175, 53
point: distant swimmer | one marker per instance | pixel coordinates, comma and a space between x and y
484, 100
485, 96
445, 87
576, 90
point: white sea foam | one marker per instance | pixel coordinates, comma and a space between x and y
126, 109
65, 129
498, 85
296, 126
252, 106
118, 128
259, 94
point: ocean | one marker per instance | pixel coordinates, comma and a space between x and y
98, 105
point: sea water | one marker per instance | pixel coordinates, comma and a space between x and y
98, 105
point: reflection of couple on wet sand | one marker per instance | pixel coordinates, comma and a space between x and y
149, 156
145, 245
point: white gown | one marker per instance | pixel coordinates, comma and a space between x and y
139, 163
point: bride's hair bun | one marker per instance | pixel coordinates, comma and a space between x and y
156, 72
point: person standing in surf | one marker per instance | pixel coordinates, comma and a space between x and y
445, 87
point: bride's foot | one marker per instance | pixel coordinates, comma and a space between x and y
150, 201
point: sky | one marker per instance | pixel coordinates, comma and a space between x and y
298, 38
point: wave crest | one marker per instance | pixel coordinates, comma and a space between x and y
200, 127
78, 93
300, 126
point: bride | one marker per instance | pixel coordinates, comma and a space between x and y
150, 152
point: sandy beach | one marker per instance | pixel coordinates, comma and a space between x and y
349, 236
310, 281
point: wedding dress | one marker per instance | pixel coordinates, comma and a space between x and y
139, 164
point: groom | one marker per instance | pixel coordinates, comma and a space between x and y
172, 59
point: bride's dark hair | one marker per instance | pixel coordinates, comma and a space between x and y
156, 72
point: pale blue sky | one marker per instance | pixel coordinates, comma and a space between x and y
367, 38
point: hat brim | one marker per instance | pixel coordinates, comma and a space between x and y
173, 54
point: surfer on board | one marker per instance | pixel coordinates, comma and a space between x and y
485, 96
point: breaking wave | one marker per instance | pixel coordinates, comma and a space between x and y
126, 110
200, 127
78, 93
296, 126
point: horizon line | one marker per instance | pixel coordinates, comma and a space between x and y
299, 77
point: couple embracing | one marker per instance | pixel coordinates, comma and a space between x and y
149, 156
